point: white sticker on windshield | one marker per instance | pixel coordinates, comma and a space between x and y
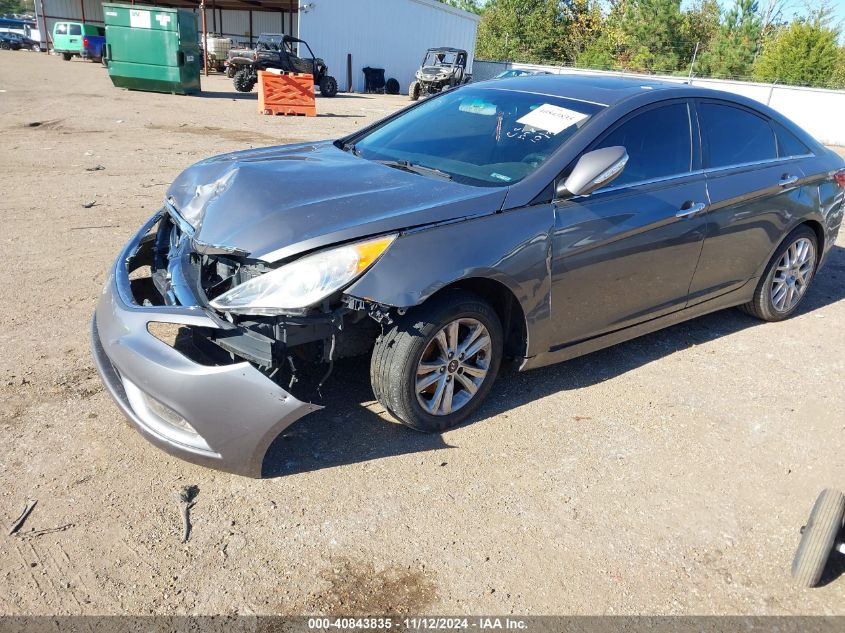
552, 118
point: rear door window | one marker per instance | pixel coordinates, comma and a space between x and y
733, 136
61, 28
658, 142
75, 29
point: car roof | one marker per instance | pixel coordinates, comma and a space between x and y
601, 89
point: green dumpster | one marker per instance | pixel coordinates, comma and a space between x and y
152, 48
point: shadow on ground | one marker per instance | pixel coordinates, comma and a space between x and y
211, 94
345, 432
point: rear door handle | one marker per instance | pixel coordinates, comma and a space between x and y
787, 180
690, 208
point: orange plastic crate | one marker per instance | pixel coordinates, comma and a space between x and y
288, 93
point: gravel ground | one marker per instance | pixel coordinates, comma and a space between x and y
667, 475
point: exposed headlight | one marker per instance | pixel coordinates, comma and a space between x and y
304, 282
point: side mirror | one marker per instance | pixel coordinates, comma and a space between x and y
593, 170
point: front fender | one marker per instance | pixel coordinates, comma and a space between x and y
511, 248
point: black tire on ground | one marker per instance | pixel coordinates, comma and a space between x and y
398, 352
67, 57
97, 60
230, 71
244, 80
391, 87
328, 86
819, 537
761, 305
5, 46
414, 90
36, 48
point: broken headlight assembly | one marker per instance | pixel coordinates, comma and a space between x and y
304, 282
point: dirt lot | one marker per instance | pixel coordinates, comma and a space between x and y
666, 475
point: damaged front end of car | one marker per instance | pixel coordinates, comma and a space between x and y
194, 345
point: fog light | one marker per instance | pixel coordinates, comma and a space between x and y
167, 414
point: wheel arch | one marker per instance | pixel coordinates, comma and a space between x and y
504, 302
814, 225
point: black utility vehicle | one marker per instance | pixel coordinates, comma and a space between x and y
441, 69
281, 52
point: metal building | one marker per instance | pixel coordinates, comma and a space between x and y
347, 34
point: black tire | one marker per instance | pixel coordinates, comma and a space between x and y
819, 537
5, 46
36, 48
67, 57
328, 86
391, 87
398, 352
414, 90
244, 80
762, 305
230, 71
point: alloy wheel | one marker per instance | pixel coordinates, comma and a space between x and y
792, 275
453, 366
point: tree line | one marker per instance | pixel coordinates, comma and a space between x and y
749, 39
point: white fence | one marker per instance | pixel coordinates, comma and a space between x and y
820, 112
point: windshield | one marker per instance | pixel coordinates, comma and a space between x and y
439, 58
478, 136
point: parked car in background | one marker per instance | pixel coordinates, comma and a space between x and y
77, 39
10, 38
520, 72
10, 41
532, 218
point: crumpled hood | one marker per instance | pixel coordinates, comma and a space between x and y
276, 202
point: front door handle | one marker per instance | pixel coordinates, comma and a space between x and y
787, 180
690, 208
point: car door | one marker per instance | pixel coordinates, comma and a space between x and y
74, 40
60, 37
627, 253
754, 179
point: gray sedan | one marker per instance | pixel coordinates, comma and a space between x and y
532, 219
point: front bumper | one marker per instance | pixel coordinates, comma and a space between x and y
235, 410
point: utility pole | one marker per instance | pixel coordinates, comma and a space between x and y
692, 63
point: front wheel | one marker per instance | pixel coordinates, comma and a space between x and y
437, 363
328, 86
230, 71
786, 279
414, 90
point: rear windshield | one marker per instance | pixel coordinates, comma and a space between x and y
479, 136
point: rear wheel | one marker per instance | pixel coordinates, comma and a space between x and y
230, 71
786, 279
391, 87
67, 57
437, 363
328, 86
244, 80
414, 90
818, 538
5, 46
